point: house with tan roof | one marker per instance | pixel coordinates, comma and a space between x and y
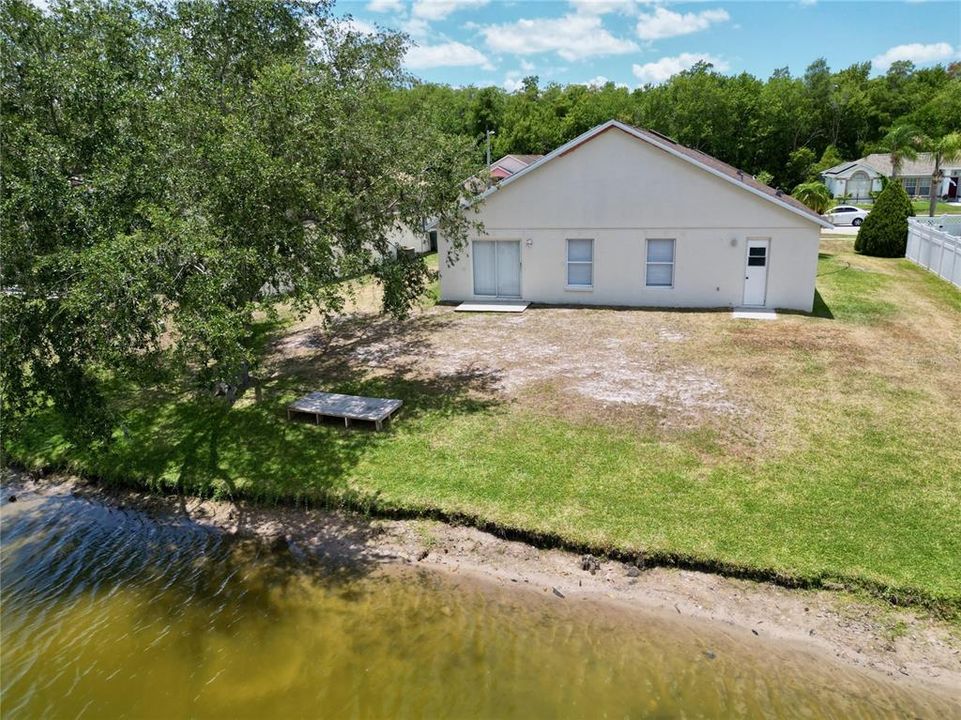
857, 179
510, 164
622, 216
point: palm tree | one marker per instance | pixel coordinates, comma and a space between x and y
901, 142
946, 149
813, 194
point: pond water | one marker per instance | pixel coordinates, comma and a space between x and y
111, 613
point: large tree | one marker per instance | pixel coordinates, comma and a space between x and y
171, 169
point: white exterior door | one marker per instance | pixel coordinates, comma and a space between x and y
497, 268
755, 274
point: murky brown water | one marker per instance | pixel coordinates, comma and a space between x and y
109, 613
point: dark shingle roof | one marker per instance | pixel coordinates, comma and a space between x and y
729, 170
703, 160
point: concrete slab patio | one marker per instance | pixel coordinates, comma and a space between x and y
495, 307
753, 314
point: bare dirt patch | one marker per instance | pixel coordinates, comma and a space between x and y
759, 388
605, 360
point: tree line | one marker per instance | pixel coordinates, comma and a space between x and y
785, 128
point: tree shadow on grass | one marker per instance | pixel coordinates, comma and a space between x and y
178, 442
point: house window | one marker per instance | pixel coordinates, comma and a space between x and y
924, 187
911, 185
660, 262
580, 263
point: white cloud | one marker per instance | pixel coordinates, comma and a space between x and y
573, 37
918, 53
603, 7
600, 81
527, 65
440, 9
361, 26
416, 27
513, 81
383, 6
449, 54
664, 23
661, 70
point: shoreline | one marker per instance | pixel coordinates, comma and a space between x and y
903, 645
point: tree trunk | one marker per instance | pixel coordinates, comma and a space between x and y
935, 186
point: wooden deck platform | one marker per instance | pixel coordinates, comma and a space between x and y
346, 407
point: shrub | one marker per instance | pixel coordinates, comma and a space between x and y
764, 177
813, 194
885, 230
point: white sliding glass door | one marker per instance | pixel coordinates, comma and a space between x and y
497, 268
485, 267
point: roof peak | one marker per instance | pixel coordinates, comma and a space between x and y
700, 159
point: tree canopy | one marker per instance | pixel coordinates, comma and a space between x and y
170, 168
789, 126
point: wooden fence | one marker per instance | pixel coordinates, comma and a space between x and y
935, 244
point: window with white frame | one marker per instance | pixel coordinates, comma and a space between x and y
660, 262
924, 187
911, 185
580, 263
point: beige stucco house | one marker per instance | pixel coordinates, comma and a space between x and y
626, 217
859, 178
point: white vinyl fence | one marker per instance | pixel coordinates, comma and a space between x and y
935, 244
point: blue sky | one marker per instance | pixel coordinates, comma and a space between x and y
633, 42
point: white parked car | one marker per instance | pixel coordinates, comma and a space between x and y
846, 215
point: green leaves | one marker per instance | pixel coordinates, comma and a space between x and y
885, 230
172, 170
813, 194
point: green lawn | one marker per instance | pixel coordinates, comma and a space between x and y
852, 471
921, 208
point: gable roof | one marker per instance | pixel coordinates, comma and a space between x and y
697, 158
526, 159
850, 165
511, 164
921, 166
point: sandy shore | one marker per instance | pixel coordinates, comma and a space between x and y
906, 646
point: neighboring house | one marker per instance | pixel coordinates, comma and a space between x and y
627, 217
857, 179
419, 241
510, 164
